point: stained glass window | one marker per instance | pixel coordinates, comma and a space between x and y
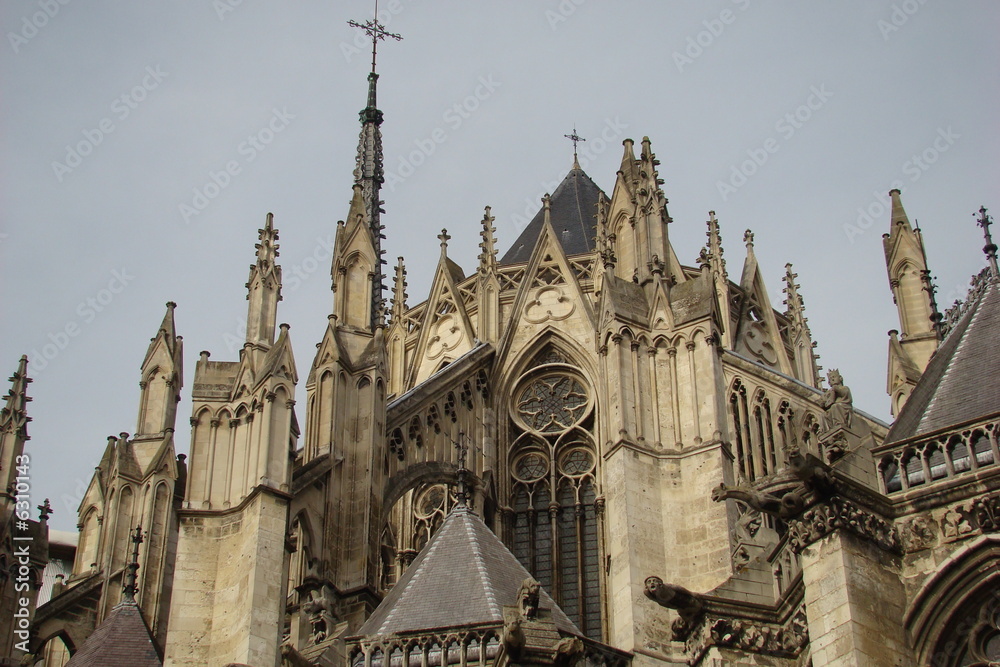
552, 403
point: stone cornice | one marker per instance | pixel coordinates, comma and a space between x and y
667, 454
260, 489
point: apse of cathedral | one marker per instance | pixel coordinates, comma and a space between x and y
579, 449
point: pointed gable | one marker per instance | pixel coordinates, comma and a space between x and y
447, 331
549, 295
464, 576
757, 334
573, 217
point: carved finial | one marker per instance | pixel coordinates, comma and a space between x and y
704, 259
399, 291
44, 511
129, 585
267, 248
793, 302
990, 248
575, 138
547, 208
748, 239
488, 256
715, 251
444, 237
928, 286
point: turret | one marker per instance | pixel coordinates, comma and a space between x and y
911, 347
356, 269
264, 289
161, 378
637, 218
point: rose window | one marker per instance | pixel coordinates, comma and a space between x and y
552, 403
431, 501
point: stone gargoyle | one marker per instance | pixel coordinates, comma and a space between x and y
687, 604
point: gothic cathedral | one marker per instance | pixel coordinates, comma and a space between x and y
584, 449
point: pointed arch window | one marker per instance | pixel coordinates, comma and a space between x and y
553, 463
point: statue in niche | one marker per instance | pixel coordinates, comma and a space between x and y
837, 403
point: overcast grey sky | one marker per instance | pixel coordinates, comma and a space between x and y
116, 115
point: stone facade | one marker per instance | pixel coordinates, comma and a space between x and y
652, 440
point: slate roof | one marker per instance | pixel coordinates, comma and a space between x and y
962, 381
573, 213
122, 640
464, 576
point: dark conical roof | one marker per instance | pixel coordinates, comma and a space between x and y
122, 640
962, 381
572, 211
464, 576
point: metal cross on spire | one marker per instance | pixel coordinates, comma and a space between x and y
575, 138
990, 248
376, 31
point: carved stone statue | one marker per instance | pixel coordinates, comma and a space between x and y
790, 504
513, 637
527, 598
319, 608
837, 403
687, 604
567, 652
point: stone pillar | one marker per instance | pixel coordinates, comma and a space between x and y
854, 603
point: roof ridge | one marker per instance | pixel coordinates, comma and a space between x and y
420, 569
484, 573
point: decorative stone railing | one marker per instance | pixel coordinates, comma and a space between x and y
908, 465
468, 647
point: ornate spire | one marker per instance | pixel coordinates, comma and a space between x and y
399, 292
264, 287
805, 357
794, 307
488, 256
129, 581
628, 169
267, 249
14, 416
368, 171
715, 245
898, 212
605, 241
990, 248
